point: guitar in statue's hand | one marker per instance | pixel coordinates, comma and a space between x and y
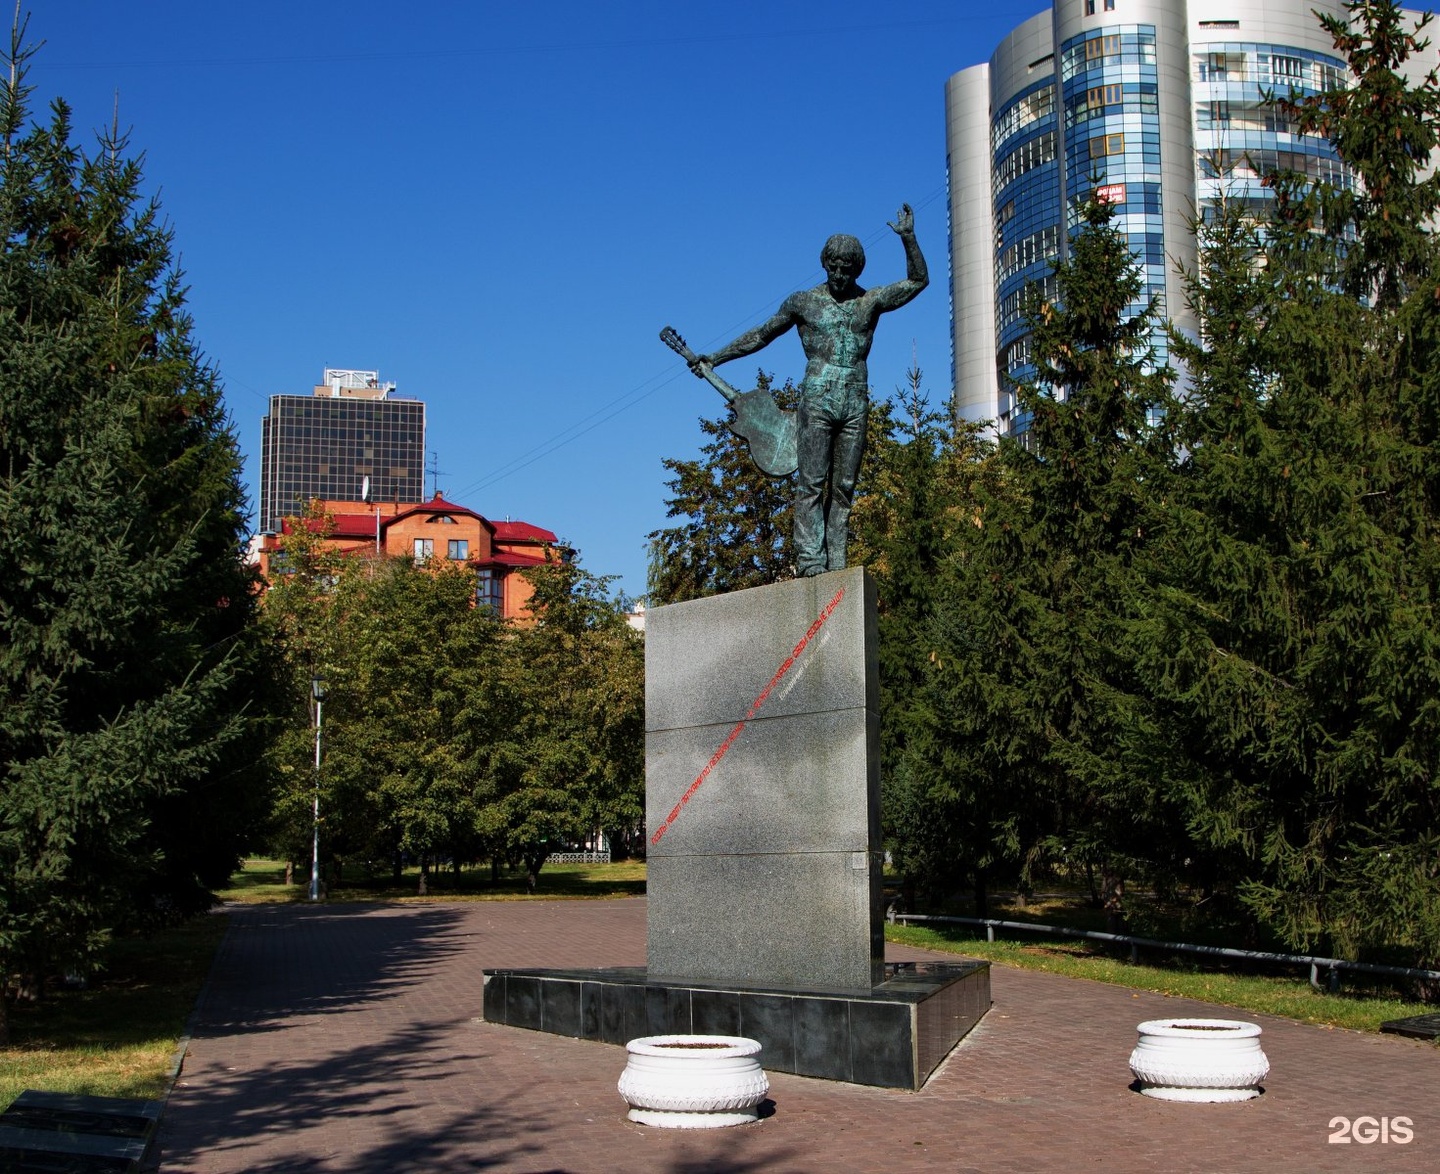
758, 419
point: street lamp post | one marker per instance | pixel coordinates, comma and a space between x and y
317, 691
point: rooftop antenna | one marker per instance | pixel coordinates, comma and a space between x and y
435, 473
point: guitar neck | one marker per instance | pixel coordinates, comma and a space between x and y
679, 346
718, 384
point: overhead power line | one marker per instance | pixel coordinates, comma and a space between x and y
649, 387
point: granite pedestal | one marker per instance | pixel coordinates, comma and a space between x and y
762, 801
762, 787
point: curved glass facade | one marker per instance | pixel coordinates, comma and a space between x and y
1110, 91
1026, 212
1239, 136
1142, 103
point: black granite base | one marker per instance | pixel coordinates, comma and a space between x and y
1416, 1027
894, 1036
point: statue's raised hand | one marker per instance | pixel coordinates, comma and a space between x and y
904, 221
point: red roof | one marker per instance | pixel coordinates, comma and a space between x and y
437, 505
511, 558
354, 526
522, 532
362, 525
346, 526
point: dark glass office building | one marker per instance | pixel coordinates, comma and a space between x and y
325, 445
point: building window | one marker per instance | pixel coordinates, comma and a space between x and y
1103, 145
424, 549
1038, 246
1032, 108
1089, 7
1287, 67
1017, 355
1026, 157
488, 588
1109, 5
1106, 46
1100, 96
458, 549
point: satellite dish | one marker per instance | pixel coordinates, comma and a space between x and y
365, 491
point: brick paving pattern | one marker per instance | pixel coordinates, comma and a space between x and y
347, 1038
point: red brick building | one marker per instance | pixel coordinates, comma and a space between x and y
438, 530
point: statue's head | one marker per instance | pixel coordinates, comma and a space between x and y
844, 248
843, 259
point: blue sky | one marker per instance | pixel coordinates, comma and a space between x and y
498, 206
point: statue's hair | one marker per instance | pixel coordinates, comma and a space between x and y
842, 246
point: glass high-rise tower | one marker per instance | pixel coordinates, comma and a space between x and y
1154, 105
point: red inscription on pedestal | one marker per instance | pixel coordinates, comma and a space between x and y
755, 705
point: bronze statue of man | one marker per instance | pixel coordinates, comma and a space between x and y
836, 321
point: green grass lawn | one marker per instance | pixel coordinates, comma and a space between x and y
1292, 998
117, 1037
264, 881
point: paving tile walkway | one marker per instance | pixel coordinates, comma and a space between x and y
347, 1038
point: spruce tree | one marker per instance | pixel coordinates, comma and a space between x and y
921, 478
1294, 628
1054, 574
128, 668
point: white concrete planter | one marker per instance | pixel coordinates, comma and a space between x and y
1199, 1060
693, 1081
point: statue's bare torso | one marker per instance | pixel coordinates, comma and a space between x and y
836, 323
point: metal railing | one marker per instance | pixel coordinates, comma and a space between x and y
578, 858
1332, 966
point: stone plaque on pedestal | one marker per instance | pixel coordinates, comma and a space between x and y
762, 791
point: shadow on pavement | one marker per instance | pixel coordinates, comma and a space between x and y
366, 1074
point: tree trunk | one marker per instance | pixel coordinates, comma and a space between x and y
533, 864
4, 1018
495, 869
397, 867
982, 894
424, 872
31, 988
289, 872
1114, 897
